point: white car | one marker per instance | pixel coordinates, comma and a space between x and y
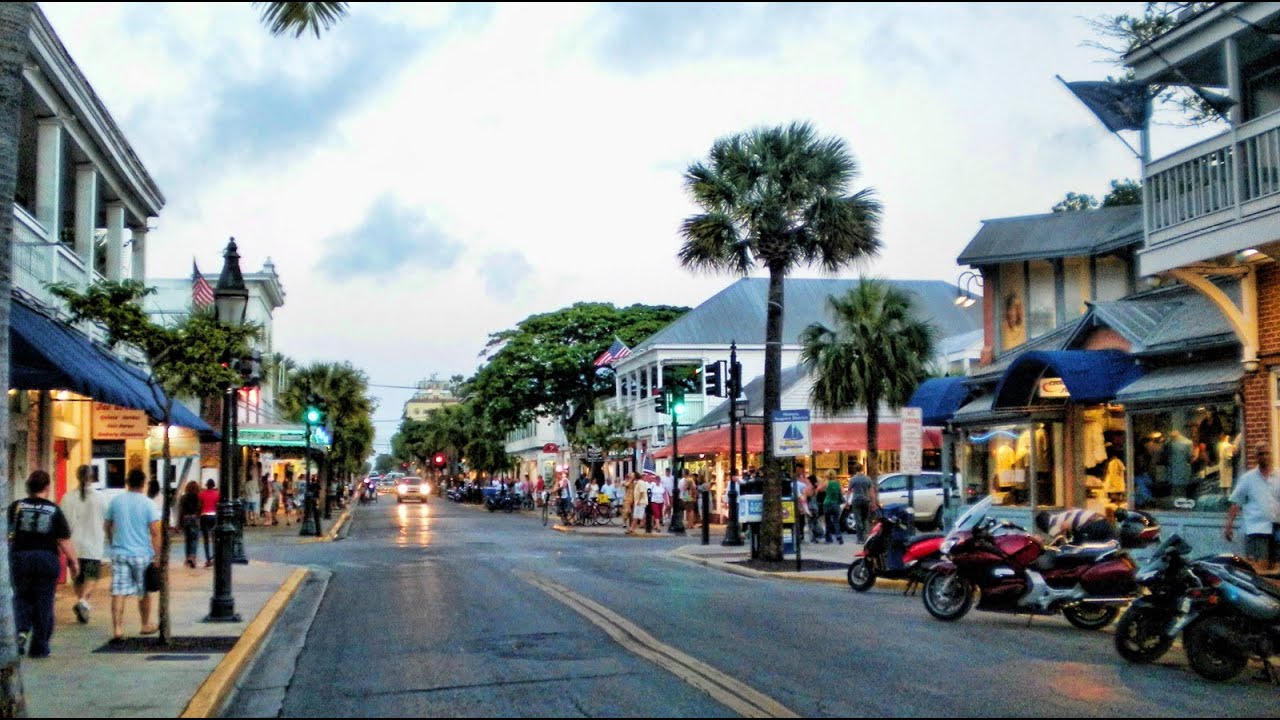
926, 494
412, 488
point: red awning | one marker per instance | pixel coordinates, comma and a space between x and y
827, 437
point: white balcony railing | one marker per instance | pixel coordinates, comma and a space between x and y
1220, 180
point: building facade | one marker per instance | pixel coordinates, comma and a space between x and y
431, 395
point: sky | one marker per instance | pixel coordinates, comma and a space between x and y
426, 174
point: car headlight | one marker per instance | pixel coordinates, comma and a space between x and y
426, 489
403, 489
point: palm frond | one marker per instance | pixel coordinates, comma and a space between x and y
712, 243
283, 18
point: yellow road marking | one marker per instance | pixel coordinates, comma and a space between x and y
732, 693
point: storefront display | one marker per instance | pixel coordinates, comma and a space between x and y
1186, 458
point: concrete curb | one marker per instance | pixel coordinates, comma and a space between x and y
586, 533
216, 690
732, 569
333, 530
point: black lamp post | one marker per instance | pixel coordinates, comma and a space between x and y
231, 299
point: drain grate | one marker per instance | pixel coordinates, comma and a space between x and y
185, 645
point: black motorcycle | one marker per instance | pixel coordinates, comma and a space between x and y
1241, 621
1177, 592
504, 501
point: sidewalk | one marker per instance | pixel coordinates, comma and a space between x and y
822, 562
292, 533
82, 679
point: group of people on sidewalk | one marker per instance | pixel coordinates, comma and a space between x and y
648, 501
87, 531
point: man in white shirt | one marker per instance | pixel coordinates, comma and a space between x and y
1257, 498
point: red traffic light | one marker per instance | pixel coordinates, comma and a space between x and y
404, 465
439, 460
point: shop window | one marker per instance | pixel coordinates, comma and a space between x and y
1186, 458
1113, 277
1013, 327
108, 463
1042, 304
1102, 443
1000, 464
1075, 281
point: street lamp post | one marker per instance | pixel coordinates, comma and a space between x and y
231, 299
237, 482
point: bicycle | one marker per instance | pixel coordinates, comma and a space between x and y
546, 507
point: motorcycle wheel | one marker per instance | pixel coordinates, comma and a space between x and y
1090, 617
947, 597
1210, 654
861, 575
1140, 636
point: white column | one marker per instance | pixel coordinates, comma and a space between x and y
49, 176
139, 254
86, 214
1231, 65
115, 240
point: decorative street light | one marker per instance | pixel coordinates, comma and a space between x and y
231, 300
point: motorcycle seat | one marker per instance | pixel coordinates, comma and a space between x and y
926, 536
1072, 555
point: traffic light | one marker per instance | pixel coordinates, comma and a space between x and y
250, 368
677, 401
438, 460
735, 380
660, 403
713, 378
313, 413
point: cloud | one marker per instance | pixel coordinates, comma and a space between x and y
390, 237
506, 274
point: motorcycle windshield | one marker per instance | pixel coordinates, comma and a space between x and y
970, 519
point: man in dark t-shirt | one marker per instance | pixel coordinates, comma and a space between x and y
37, 531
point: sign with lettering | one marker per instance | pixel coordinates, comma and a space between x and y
751, 509
111, 422
791, 433
1053, 388
911, 455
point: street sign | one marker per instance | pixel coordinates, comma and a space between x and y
595, 455
791, 433
912, 441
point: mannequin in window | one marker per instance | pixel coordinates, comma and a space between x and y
1178, 455
1226, 461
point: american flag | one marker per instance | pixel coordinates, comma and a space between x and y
649, 468
201, 290
616, 352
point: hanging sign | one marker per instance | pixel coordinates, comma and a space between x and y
111, 422
911, 432
791, 433
1053, 388
550, 448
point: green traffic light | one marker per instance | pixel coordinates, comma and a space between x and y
678, 408
313, 416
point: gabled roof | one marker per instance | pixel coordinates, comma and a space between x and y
1054, 235
1171, 319
737, 313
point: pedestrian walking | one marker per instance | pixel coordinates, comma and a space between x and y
153, 494
657, 501
689, 496
860, 500
831, 505
540, 489
814, 499
640, 503
668, 494
189, 519
133, 531
628, 503
1257, 498
252, 497
39, 530
85, 511
209, 518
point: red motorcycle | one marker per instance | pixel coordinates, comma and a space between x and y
893, 551
1014, 572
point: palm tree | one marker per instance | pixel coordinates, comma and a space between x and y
778, 197
298, 17
344, 390
877, 354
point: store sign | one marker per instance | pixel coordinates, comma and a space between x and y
595, 455
1053, 388
791, 433
282, 437
912, 441
116, 423
550, 448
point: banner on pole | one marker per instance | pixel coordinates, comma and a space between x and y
912, 434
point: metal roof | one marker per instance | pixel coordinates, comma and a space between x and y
737, 313
1054, 235
754, 394
1171, 319
1056, 340
1181, 382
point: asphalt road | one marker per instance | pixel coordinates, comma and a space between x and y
447, 610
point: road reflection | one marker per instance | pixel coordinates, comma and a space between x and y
414, 524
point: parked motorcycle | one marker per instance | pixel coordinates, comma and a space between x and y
1240, 620
894, 551
1013, 571
503, 501
1177, 591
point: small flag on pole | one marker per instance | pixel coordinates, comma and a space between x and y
1119, 105
649, 467
201, 290
617, 351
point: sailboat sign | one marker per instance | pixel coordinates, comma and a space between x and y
791, 433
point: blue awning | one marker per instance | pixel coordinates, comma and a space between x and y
47, 355
939, 398
1090, 376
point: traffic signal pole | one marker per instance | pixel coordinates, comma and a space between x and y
677, 505
733, 531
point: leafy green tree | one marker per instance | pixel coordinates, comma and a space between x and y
606, 433
349, 414
384, 463
184, 360
878, 353
1123, 192
545, 366
1075, 202
778, 197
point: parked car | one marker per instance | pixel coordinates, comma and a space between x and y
412, 488
926, 492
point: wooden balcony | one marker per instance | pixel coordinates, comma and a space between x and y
1214, 198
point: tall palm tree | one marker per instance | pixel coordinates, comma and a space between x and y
283, 18
877, 354
344, 390
778, 197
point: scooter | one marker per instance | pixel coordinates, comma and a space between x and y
1014, 572
893, 551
